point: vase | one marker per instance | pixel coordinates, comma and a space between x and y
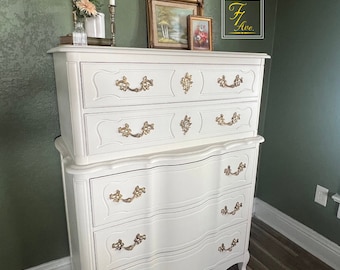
79, 37
95, 26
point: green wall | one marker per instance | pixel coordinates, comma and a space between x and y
32, 216
302, 127
32, 223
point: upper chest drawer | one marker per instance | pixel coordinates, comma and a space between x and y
119, 84
99, 77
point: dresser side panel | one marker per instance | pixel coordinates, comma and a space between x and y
64, 108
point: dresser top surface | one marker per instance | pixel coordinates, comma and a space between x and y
70, 49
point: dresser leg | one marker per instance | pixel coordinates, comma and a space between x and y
243, 265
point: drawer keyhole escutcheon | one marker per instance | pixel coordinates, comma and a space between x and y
240, 168
222, 248
126, 131
234, 119
124, 85
120, 244
225, 210
223, 82
186, 82
117, 196
185, 124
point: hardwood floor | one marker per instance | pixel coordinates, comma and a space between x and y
269, 250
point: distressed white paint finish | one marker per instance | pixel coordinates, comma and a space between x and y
196, 205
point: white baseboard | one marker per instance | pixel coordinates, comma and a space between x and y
316, 244
61, 264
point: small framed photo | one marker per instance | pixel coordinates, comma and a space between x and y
200, 33
167, 22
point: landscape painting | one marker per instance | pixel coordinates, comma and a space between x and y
168, 23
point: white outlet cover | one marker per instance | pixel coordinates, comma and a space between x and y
321, 195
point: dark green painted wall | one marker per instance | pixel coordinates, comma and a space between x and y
302, 127
32, 223
32, 216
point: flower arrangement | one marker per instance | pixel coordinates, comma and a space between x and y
86, 8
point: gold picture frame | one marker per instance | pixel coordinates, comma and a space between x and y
200, 33
167, 22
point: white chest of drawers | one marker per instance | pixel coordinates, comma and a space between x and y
159, 153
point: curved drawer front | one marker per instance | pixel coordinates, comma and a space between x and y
121, 84
136, 195
161, 244
129, 133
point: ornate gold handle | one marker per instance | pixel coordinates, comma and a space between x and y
124, 85
229, 249
186, 82
120, 244
240, 168
126, 131
225, 210
185, 124
223, 82
117, 197
234, 119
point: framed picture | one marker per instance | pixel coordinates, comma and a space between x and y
167, 22
200, 33
242, 19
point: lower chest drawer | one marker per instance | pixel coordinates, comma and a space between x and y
166, 245
130, 196
129, 133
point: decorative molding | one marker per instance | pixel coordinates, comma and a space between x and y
316, 244
61, 264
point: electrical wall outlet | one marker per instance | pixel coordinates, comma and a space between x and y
321, 195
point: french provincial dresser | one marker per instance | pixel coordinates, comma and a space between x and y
159, 154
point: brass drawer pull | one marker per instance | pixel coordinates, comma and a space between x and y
229, 249
223, 82
126, 131
185, 124
117, 197
124, 85
234, 119
186, 82
240, 168
225, 210
120, 244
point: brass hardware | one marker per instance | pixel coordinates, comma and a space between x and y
124, 85
223, 82
225, 211
120, 244
126, 131
117, 197
185, 124
229, 249
240, 168
186, 82
234, 119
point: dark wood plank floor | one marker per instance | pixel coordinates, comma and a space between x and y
269, 250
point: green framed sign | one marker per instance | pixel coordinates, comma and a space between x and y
242, 19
